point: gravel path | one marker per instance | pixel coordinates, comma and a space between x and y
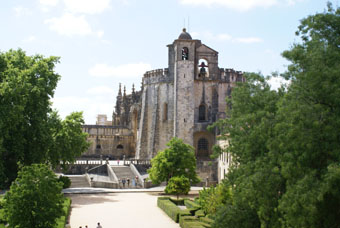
121, 210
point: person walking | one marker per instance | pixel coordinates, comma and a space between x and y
98, 225
123, 181
128, 182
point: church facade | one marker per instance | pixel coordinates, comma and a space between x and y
179, 101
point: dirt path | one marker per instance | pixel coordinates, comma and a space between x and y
121, 210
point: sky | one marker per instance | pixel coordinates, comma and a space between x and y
106, 42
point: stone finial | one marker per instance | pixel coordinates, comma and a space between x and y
124, 91
120, 89
133, 88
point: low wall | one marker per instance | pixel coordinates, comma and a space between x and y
111, 174
101, 184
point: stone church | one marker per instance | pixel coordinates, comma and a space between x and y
181, 100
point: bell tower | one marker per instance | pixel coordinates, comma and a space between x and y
183, 67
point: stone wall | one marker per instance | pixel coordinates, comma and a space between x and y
109, 141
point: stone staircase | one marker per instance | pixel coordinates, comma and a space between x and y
124, 172
78, 181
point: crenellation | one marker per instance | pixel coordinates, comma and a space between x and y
181, 100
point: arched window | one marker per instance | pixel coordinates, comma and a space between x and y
203, 70
202, 147
185, 53
201, 113
120, 146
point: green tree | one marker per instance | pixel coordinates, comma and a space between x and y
34, 199
286, 144
175, 161
69, 141
212, 198
30, 131
253, 179
178, 186
308, 135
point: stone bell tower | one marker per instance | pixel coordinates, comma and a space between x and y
182, 64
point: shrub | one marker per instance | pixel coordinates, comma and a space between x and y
169, 208
61, 222
212, 198
191, 204
199, 213
206, 220
65, 180
177, 186
192, 222
34, 199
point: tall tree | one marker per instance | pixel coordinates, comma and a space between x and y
253, 179
286, 145
34, 199
175, 161
308, 135
28, 126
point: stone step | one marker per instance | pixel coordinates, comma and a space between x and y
78, 181
124, 172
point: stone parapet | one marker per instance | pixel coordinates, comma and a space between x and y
157, 76
231, 75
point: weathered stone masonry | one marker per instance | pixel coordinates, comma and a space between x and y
181, 100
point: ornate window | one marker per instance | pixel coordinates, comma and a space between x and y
185, 53
201, 113
120, 146
202, 147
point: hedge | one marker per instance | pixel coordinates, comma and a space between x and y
206, 220
199, 213
191, 204
191, 222
169, 208
61, 222
192, 217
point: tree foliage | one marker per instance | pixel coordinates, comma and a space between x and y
286, 143
178, 186
213, 197
175, 161
30, 131
34, 199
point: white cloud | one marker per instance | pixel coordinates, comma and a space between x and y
276, 82
100, 33
241, 5
49, 2
223, 37
100, 90
69, 25
22, 11
87, 6
127, 70
91, 106
30, 39
226, 37
248, 40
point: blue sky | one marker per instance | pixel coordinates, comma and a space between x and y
104, 42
